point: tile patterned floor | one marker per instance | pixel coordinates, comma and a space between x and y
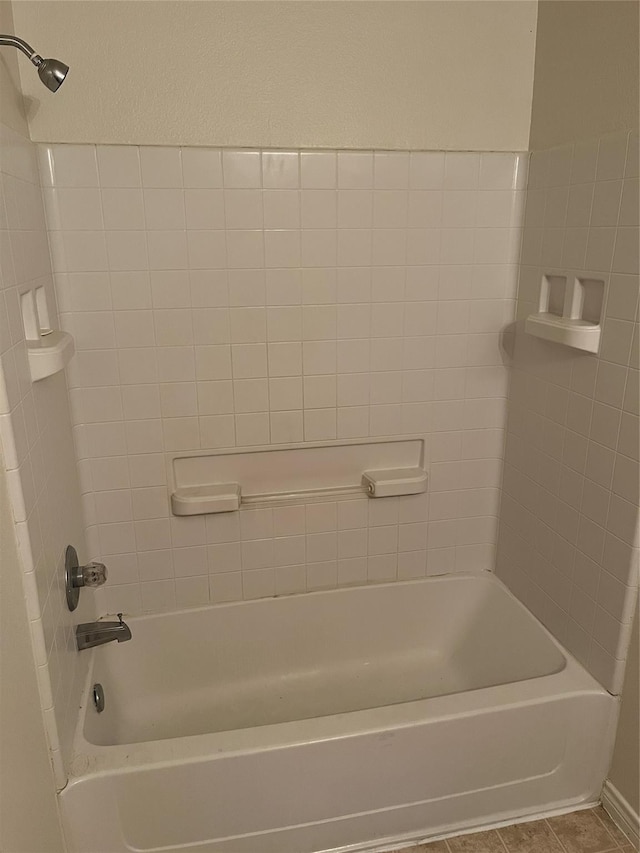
589, 831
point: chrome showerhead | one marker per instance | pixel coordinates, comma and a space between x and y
52, 72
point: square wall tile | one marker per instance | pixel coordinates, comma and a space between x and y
243, 298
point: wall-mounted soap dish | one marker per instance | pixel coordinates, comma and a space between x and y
202, 500
569, 311
48, 351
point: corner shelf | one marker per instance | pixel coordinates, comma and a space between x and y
570, 310
578, 334
48, 350
48, 354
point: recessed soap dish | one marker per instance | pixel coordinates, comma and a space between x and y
570, 310
49, 354
587, 298
48, 350
553, 292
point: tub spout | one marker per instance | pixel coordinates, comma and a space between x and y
90, 634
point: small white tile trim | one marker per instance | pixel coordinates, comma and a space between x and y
37, 475
59, 773
621, 812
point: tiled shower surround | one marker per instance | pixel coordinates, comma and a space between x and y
37, 446
224, 299
569, 516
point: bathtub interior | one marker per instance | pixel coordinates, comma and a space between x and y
251, 664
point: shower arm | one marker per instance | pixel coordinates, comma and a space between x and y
14, 41
51, 71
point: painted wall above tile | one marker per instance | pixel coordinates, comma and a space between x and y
392, 75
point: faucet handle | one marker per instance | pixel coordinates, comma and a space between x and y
77, 576
93, 574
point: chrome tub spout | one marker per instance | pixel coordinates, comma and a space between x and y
90, 634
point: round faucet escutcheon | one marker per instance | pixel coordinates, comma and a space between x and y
76, 576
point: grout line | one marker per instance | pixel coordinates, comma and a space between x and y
553, 833
503, 842
612, 849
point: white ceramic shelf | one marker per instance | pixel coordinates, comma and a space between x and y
204, 500
569, 309
225, 481
578, 334
395, 481
227, 497
49, 354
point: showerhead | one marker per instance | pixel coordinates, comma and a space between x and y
52, 72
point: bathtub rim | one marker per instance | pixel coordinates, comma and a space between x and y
485, 576
90, 759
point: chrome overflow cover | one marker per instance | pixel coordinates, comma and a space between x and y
77, 576
98, 697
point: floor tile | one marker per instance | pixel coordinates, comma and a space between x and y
587, 831
617, 834
479, 842
534, 837
582, 832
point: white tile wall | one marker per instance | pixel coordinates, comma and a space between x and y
569, 518
247, 298
37, 445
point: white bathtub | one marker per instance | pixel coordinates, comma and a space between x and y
333, 720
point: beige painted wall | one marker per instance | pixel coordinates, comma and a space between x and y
28, 810
625, 769
11, 109
586, 70
440, 74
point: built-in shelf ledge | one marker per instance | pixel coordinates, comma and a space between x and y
395, 481
228, 497
578, 334
49, 354
203, 500
228, 480
569, 309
